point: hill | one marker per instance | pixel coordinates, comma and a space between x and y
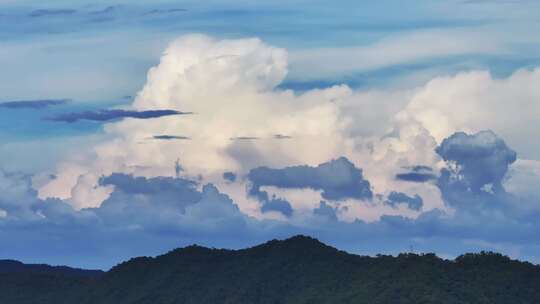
36, 283
296, 270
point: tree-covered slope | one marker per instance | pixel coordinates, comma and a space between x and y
303, 270
41, 284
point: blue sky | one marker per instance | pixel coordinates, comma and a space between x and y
113, 44
314, 98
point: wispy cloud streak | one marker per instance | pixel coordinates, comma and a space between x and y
170, 137
33, 104
107, 115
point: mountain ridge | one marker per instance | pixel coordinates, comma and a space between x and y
300, 269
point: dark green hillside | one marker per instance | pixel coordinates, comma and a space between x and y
41, 284
303, 270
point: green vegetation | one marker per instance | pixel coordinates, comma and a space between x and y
297, 270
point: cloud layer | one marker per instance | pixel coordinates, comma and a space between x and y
354, 168
144, 216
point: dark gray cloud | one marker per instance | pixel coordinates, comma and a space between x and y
480, 159
338, 179
106, 10
417, 174
395, 198
156, 12
51, 12
280, 136
33, 104
472, 181
271, 203
165, 191
170, 137
244, 138
326, 211
166, 205
278, 205
107, 115
416, 177
421, 168
229, 176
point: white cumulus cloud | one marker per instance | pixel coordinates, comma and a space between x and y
231, 86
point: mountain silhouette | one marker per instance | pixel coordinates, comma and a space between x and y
296, 270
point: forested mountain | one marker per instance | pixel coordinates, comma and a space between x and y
296, 270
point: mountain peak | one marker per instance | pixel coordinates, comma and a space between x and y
299, 243
301, 239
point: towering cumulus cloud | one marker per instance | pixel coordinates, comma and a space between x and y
475, 101
230, 85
